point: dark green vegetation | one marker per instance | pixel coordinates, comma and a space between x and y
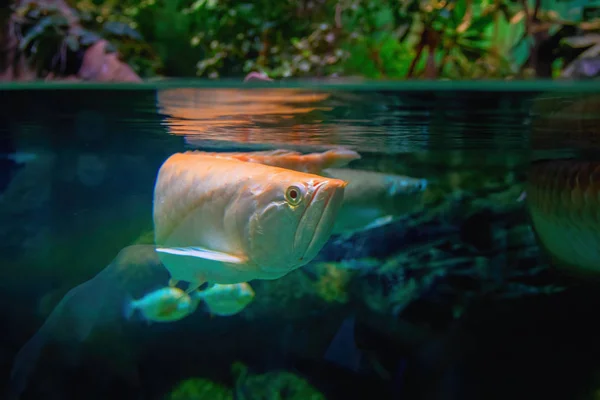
296, 38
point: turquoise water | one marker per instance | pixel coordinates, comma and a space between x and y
453, 299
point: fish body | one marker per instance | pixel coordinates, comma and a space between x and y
564, 206
373, 198
95, 303
225, 221
226, 300
167, 304
312, 163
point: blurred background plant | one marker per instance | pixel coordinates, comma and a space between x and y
393, 39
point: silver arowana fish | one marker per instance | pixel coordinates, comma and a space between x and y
225, 221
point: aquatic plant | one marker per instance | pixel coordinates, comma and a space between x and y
332, 282
200, 389
54, 38
370, 38
273, 385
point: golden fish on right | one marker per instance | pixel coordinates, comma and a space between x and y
226, 221
563, 199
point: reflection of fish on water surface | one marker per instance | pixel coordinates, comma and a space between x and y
370, 199
98, 301
227, 221
563, 202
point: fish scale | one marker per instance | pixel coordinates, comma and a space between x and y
562, 198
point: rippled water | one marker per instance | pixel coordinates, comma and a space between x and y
435, 318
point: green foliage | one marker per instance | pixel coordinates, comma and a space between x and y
393, 39
54, 39
372, 38
116, 22
47, 38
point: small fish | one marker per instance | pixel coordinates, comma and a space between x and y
226, 221
563, 203
226, 300
167, 304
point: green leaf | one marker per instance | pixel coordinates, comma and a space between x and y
39, 29
121, 29
72, 43
578, 42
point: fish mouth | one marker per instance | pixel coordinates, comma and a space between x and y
321, 212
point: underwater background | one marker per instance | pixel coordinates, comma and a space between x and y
453, 299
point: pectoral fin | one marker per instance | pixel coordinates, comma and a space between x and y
199, 252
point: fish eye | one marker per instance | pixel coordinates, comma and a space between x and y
293, 195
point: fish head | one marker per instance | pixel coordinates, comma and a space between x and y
294, 217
